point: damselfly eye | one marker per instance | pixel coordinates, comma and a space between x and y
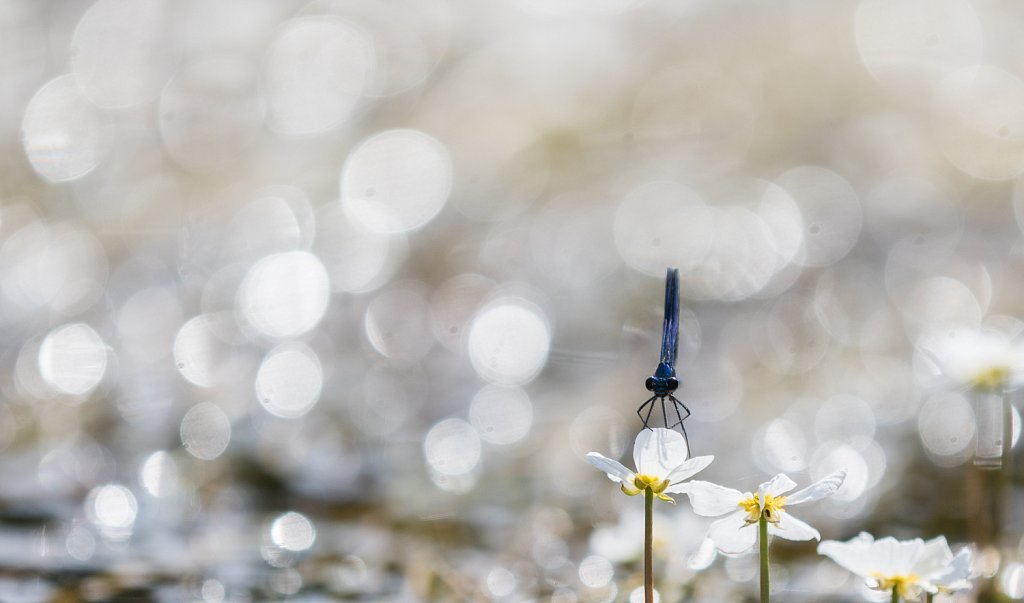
649, 384
671, 384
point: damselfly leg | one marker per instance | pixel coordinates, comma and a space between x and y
668, 421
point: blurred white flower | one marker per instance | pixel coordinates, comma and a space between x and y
661, 462
681, 546
738, 531
909, 566
955, 575
986, 360
622, 541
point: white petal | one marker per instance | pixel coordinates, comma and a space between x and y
687, 470
732, 534
854, 555
616, 471
712, 500
944, 370
934, 556
956, 574
896, 557
776, 485
908, 554
791, 528
818, 490
657, 451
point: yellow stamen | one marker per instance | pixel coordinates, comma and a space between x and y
656, 484
773, 506
629, 490
991, 379
905, 585
642, 481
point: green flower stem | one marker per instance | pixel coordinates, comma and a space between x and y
762, 537
929, 597
896, 594
648, 545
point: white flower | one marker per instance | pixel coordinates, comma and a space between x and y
909, 566
661, 462
986, 359
956, 574
738, 531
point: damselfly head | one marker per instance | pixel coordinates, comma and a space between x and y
661, 386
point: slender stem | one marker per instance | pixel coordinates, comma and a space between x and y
929, 597
895, 594
648, 546
1004, 502
762, 537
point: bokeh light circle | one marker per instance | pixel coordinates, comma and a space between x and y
508, 342
501, 415
500, 582
397, 322
196, 351
205, 431
59, 267
979, 121
121, 54
396, 181
60, 132
285, 294
662, 224
289, 381
112, 508
831, 457
596, 571
907, 45
73, 359
832, 215
159, 475
293, 532
781, 446
315, 75
357, 259
946, 425
452, 447
1011, 580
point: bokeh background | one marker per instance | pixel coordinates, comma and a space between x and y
327, 300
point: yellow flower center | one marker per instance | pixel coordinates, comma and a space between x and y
991, 379
773, 506
904, 585
643, 481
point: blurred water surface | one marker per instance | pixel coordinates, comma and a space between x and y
327, 300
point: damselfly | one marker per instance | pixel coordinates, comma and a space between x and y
663, 382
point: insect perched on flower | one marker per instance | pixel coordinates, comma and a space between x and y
738, 531
904, 567
663, 382
662, 463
